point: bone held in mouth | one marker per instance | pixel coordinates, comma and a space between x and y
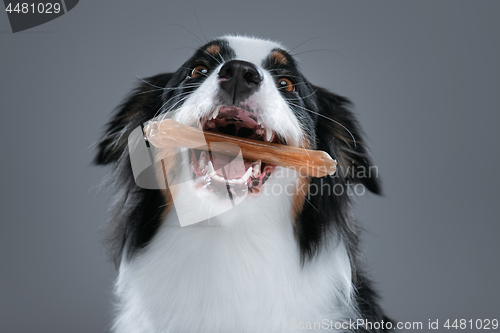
169, 133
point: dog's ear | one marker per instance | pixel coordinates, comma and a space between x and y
140, 106
339, 133
328, 199
137, 212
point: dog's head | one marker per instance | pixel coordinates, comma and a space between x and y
250, 88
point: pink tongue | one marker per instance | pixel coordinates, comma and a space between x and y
233, 167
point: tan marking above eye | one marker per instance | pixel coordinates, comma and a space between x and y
286, 84
213, 49
199, 70
279, 58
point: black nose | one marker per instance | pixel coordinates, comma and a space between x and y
239, 79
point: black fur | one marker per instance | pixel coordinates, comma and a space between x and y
369, 308
329, 124
328, 206
137, 212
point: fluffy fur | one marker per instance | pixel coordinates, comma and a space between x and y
275, 260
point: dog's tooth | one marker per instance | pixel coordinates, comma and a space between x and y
203, 160
211, 167
216, 112
235, 181
217, 178
256, 169
247, 175
269, 134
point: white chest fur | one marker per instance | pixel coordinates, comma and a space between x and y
244, 276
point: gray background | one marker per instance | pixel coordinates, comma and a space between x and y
425, 79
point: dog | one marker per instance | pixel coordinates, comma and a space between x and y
278, 261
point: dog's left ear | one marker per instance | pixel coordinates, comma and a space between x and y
339, 133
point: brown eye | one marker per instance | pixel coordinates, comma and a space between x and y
199, 70
285, 84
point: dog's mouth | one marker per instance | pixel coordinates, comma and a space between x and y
226, 175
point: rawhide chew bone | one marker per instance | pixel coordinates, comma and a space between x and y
170, 133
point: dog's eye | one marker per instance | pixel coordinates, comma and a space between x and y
286, 84
199, 70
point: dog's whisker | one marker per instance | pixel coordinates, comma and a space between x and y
166, 89
318, 50
165, 112
160, 110
333, 120
305, 149
163, 105
192, 33
199, 25
309, 202
222, 58
306, 41
146, 92
179, 48
149, 83
217, 60
193, 85
300, 98
300, 84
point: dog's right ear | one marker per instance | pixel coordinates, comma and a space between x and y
140, 106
